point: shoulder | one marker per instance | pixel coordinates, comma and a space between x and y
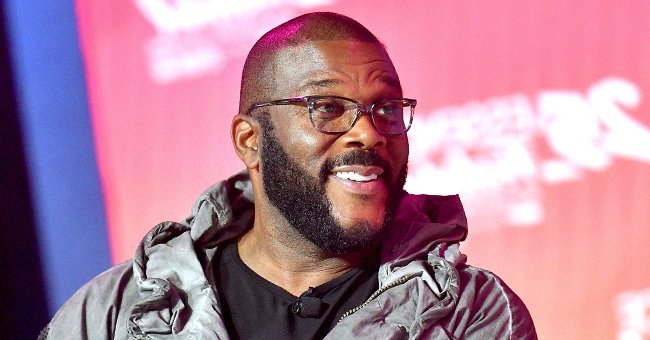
495, 310
97, 309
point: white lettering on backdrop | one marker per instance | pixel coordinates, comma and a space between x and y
504, 148
195, 38
633, 309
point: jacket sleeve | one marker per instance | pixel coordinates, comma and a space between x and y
498, 313
494, 311
98, 310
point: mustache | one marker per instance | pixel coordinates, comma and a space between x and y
356, 157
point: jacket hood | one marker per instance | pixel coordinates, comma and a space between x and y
226, 210
422, 223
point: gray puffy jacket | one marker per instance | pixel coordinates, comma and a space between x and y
426, 289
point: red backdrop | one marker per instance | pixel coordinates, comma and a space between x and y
537, 113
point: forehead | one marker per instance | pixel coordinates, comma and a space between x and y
319, 65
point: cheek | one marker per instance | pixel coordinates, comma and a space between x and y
304, 143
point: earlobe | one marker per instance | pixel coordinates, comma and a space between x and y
244, 134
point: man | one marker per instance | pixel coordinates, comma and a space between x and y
317, 239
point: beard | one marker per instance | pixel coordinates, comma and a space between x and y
302, 199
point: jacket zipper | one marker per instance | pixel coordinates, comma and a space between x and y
375, 294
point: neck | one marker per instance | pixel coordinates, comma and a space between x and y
277, 252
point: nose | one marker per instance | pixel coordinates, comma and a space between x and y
363, 134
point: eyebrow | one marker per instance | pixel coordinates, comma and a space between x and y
322, 83
392, 82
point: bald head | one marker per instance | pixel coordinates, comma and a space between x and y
258, 75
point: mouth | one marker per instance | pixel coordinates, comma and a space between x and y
353, 176
360, 179
358, 173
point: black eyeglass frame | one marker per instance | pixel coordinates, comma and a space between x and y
368, 108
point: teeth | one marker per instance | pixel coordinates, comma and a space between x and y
353, 176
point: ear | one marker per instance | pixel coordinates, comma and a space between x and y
244, 132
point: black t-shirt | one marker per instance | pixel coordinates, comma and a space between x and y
255, 308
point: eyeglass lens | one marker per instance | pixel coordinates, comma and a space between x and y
337, 115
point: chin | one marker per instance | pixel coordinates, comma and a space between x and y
362, 223
368, 217
362, 226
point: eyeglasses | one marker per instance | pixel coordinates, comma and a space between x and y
334, 114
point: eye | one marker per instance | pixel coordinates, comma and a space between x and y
390, 109
328, 108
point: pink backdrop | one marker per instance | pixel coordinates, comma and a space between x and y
537, 113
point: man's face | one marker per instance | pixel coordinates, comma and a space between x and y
324, 184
